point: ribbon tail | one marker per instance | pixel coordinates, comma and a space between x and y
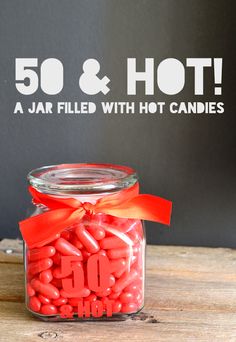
42, 228
143, 207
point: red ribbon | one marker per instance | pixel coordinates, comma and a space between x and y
64, 212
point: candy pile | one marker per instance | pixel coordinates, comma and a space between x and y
94, 268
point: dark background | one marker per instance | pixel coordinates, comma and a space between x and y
189, 159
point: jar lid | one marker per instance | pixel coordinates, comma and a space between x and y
82, 178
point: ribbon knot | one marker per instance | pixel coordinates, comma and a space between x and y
65, 212
89, 208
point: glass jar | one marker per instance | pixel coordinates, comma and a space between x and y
94, 268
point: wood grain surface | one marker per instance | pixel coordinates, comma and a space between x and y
190, 296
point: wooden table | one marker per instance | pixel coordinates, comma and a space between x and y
190, 296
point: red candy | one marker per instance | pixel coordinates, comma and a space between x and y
48, 290
112, 242
97, 232
114, 295
117, 306
46, 276
75, 301
126, 297
60, 301
129, 308
117, 253
85, 292
85, 254
39, 266
87, 239
117, 265
34, 304
41, 253
57, 283
66, 248
30, 290
43, 299
91, 298
112, 280
104, 293
125, 280
133, 288
102, 252
48, 309
87, 270
56, 258
74, 240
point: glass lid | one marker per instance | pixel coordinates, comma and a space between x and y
82, 178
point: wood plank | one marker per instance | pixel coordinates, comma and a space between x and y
12, 282
11, 251
190, 296
159, 325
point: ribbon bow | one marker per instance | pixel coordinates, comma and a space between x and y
64, 212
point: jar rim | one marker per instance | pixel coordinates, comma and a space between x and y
82, 178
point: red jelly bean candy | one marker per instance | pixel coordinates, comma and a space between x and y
43, 299
118, 274
102, 252
129, 263
112, 280
56, 258
104, 300
66, 248
85, 254
34, 304
138, 298
48, 309
82, 293
75, 241
112, 242
123, 224
114, 295
46, 276
133, 288
57, 283
97, 232
129, 308
87, 239
41, 253
117, 253
125, 280
117, 265
126, 297
30, 290
48, 290
60, 301
104, 293
39, 266
116, 306
75, 301
91, 298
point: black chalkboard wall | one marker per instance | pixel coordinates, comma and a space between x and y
190, 159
